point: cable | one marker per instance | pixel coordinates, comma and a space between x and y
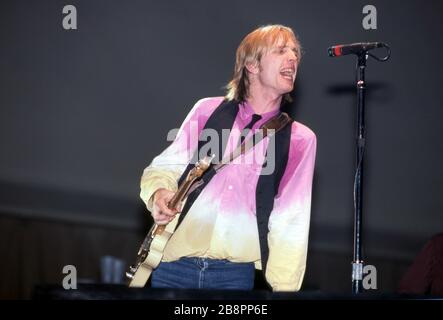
385, 58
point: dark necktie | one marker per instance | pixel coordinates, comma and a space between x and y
255, 118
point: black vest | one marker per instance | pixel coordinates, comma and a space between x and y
267, 187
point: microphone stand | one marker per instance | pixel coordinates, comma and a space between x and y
357, 263
361, 50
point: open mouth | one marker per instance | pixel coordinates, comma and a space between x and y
288, 73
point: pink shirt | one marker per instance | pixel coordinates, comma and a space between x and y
221, 223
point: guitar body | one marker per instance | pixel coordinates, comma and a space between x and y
151, 251
154, 254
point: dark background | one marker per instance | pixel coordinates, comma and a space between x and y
82, 112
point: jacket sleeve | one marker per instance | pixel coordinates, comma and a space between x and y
290, 217
166, 168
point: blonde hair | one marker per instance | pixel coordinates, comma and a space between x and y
251, 50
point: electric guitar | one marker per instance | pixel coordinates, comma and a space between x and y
151, 251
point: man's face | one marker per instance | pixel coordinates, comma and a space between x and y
278, 68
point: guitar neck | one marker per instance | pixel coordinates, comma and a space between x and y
180, 194
176, 199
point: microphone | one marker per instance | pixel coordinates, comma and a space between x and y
353, 48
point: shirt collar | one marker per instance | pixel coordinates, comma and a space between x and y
246, 112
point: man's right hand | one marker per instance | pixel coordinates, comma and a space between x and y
161, 213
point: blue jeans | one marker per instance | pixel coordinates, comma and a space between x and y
204, 273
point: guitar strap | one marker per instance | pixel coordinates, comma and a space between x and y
267, 185
268, 129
